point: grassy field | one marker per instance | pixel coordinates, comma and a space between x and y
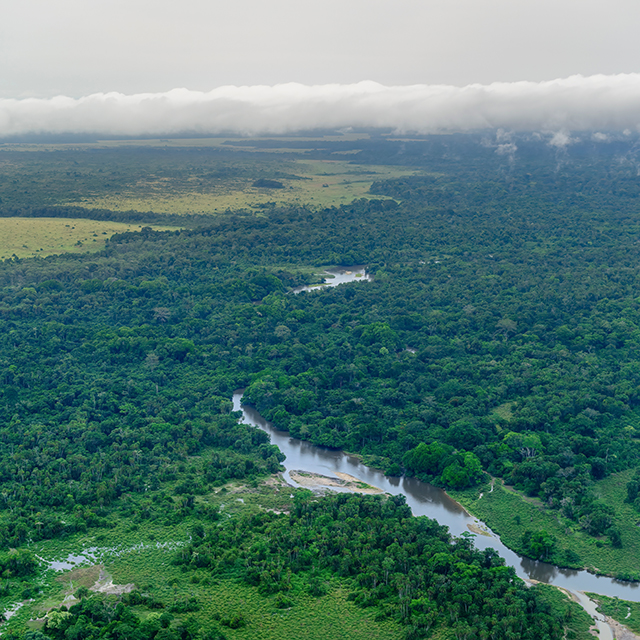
187, 176
510, 514
29, 237
141, 553
317, 182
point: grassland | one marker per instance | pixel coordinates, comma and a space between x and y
316, 182
140, 553
29, 237
186, 176
509, 514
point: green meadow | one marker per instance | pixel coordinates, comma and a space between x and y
31, 237
178, 177
322, 183
510, 513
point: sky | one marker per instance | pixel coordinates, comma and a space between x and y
80, 48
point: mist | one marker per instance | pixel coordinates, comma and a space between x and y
595, 103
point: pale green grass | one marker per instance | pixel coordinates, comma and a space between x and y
28, 237
135, 554
324, 183
505, 411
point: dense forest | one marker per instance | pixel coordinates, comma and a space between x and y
499, 335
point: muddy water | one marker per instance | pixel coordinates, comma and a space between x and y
425, 499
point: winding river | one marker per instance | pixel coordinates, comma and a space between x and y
425, 499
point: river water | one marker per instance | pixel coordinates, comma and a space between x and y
336, 276
425, 499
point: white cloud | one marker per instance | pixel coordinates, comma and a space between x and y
595, 103
561, 139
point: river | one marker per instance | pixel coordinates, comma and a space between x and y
425, 499
336, 276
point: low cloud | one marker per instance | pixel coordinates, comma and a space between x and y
596, 103
561, 139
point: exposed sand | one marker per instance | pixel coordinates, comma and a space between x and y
95, 578
104, 584
344, 482
474, 528
621, 632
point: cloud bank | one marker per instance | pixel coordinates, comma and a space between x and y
577, 103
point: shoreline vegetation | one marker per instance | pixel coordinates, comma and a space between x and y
622, 615
509, 514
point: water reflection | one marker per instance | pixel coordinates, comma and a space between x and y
336, 276
425, 499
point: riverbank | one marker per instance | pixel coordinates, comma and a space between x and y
428, 500
621, 615
510, 514
319, 483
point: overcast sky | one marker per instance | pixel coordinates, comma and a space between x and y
77, 47
80, 47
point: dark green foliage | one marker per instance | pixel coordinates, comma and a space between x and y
538, 545
442, 464
18, 564
265, 183
615, 536
499, 333
427, 459
98, 617
408, 567
233, 621
186, 606
633, 490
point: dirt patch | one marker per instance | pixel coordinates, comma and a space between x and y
275, 480
94, 578
474, 528
344, 482
81, 577
104, 584
620, 632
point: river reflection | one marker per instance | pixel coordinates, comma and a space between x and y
425, 499
336, 276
